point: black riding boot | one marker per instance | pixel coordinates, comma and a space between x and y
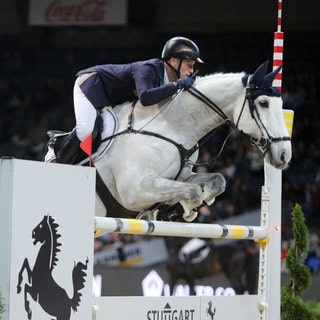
69, 150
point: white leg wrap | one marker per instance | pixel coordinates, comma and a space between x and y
206, 195
189, 215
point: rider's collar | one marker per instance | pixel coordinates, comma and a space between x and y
165, 76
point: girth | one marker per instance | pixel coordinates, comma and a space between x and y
109, 201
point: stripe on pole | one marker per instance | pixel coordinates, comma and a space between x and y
178, 229
279, 21
278, 58
278, 49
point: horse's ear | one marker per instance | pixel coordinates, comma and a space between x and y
259, 74
273, 74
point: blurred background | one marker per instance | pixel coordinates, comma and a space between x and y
45, 42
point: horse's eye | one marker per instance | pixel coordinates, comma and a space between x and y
264, 104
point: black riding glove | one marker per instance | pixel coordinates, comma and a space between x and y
185, 83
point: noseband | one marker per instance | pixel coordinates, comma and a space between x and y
262, 143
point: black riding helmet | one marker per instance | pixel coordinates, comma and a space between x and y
180, 47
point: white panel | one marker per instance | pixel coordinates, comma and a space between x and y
66, 194
232, 307
149, 308
184, 308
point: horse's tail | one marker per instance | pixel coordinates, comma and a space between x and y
78, 278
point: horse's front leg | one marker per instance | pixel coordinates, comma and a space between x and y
212, 184
25, 266
152, 190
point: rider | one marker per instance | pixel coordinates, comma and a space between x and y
150, 81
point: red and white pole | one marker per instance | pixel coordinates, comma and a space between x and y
270, 253
278, 49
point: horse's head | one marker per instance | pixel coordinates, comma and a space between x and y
261, 117
41, 231
45, 231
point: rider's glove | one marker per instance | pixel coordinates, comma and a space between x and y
185, 83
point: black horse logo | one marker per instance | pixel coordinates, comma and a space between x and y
209, 310
41, 286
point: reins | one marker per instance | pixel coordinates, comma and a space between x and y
263, 143
185, 154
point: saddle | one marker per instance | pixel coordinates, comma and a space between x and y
105, 127
57, 138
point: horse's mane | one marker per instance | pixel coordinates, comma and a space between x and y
54, 241
220, 76
217, 76
220, 87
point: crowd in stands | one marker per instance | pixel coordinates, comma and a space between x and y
36, 84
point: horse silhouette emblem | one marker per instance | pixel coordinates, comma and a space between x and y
210, 312
41, 285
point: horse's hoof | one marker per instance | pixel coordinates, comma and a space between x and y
192, 215
171, 213
187, 214
148, 215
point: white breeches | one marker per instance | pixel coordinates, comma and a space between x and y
84, 111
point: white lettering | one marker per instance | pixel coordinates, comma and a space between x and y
153, 285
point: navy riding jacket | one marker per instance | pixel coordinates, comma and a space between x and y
113, 84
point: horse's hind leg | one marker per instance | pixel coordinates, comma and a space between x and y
28, 290
64, 314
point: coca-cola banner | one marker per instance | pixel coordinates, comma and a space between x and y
77, 12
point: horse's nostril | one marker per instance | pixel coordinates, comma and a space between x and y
283, 157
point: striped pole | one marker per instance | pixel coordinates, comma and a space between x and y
270, 256
277, 61
178, 229
278, 49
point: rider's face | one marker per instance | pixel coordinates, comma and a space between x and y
186, 68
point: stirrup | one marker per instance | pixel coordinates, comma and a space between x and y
56, 133
68, 152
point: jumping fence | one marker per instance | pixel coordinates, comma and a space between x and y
61, 199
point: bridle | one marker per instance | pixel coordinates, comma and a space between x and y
264, 142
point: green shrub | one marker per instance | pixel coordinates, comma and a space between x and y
292, 305
1, 306
315, 307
